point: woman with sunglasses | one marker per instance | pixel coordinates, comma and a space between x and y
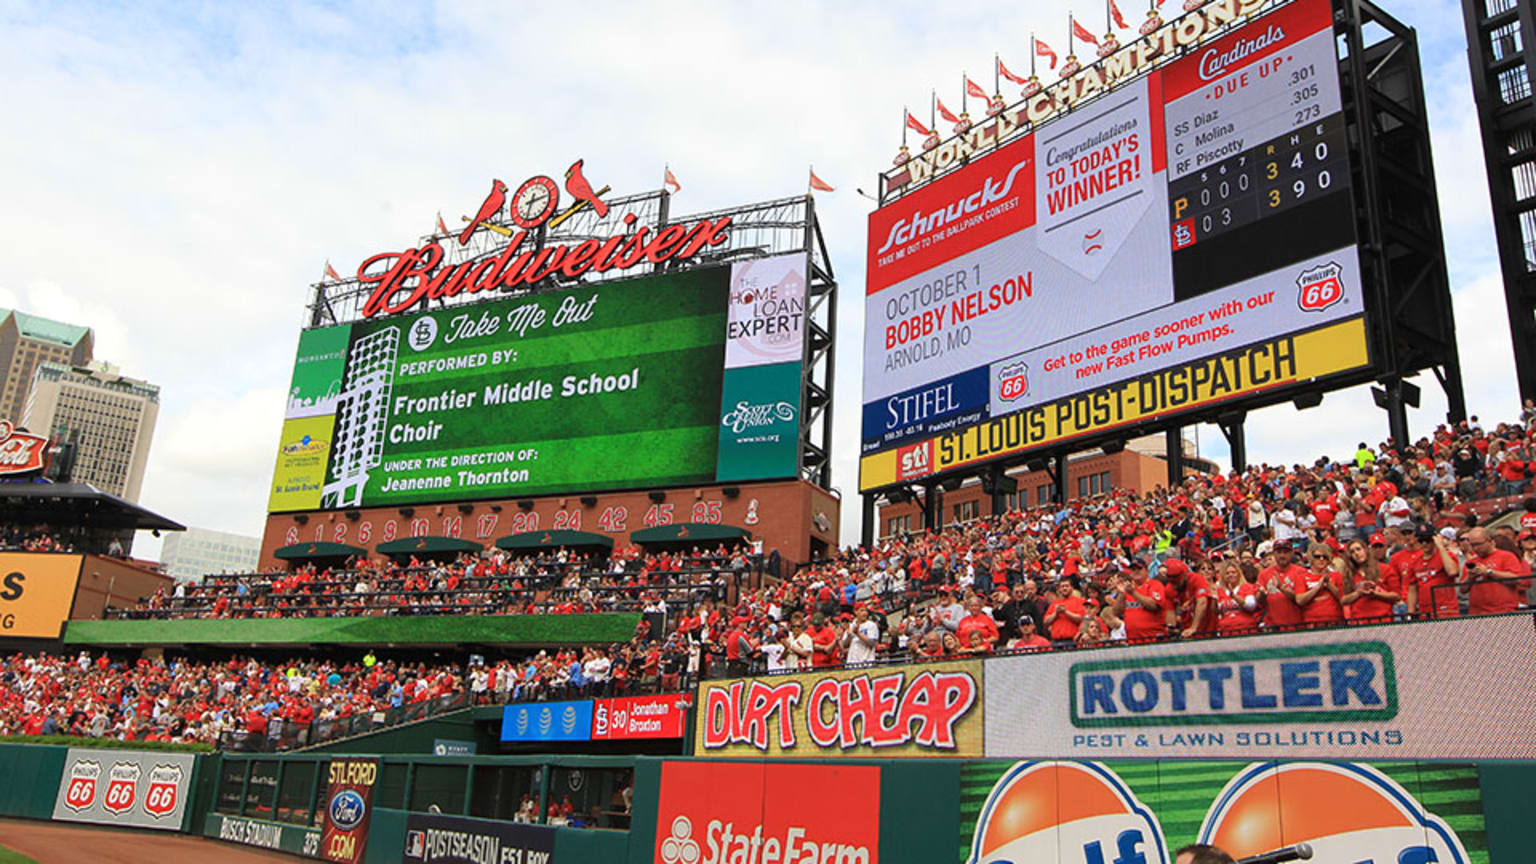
1324, 587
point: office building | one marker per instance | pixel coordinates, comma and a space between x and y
27, 342
197, 552
108, 416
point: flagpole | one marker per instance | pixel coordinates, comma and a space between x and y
933, 115
904, 114
1032, 55
1109, 24
965, 95
997, 79
1071, 35
666, 168
810, 171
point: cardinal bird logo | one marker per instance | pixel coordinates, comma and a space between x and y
490, 208
581, 190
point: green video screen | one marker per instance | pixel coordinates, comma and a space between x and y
611, 386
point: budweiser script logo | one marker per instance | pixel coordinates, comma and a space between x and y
749, 416
20, 451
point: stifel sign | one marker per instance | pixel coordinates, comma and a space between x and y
20, 452
401, 280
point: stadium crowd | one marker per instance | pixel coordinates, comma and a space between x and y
1388, 533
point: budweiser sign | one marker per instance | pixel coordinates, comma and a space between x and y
401, 280
20, 452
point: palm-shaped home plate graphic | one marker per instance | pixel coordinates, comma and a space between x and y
1094, 178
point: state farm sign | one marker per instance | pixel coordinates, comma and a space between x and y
746, 813
20, 452
639, 717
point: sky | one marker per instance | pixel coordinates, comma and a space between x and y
176, 175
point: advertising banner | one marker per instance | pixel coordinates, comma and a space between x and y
759, 422
767, 315
293, 839
1102, 269
125, 788
348, 808
892, 711
434, 839
547, 721
732, 812
1380, 692
1252, 369
37, 591
1142, 811
635, 717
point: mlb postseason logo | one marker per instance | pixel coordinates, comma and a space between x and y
1328, 683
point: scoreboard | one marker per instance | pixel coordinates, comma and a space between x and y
1185, 240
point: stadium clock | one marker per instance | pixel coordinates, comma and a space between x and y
534, 202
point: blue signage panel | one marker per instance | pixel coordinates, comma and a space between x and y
547, 721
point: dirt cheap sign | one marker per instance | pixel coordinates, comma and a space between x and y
1139, 812
713, 812
916, 710
113, 787
36, 593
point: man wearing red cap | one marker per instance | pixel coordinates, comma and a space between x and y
1190, 594
1279, 584
1143, 605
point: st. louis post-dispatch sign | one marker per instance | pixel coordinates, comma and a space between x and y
932, 709
1449, 689
125, 788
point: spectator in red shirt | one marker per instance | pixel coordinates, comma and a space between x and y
1371, 586
823, 641
1237, 600
1028, 639
976, 621
1280, 585
1430, 572
1322, 589
1143, 605
1066, 613
1193, 591
1499, 580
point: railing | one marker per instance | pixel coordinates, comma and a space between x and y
287, 736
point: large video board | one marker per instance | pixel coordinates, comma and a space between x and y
691, 377
1185, 240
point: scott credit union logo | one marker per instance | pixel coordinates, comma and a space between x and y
749, 416
1354, 681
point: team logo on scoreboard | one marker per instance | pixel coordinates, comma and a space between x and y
1320, 287
914, 460
1013, 381
423, 333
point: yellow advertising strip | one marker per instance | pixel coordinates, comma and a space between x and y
36, 593
301, 461
929, 709
1267, 365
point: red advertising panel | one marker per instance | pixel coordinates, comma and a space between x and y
726, 812
639, 717
20, 452
349, 803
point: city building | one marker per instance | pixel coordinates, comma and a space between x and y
109, 417
26, 342
194, 553
1501, 51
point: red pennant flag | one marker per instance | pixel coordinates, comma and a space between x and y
1114, 10
946, 113
974, 89
671, 180
818, 183
1082, 33
330, 272
1003, 70
441, 228
1044, 50
916, 125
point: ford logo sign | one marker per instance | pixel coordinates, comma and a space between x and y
347, 810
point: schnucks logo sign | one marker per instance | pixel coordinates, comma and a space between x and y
1332, 683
